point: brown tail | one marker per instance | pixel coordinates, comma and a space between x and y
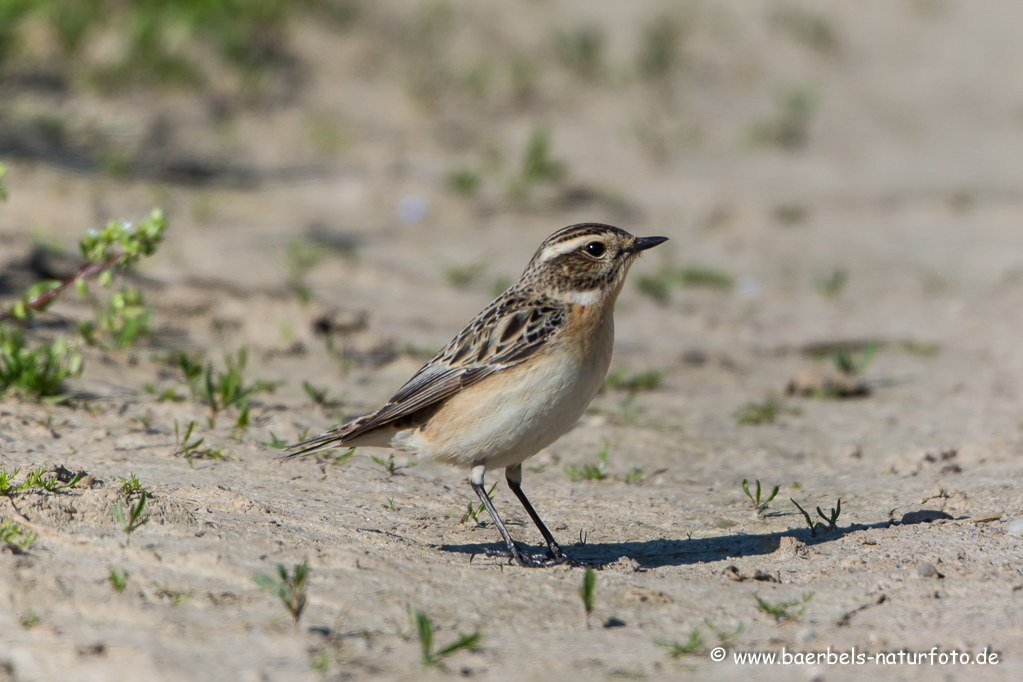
331, 439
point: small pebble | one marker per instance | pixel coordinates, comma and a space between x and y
927, 570
1016, 526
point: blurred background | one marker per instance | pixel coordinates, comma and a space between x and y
824, 170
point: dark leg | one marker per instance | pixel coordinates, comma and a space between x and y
514, 551
514, 476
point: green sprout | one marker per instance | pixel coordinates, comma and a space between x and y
135, 520
424, 629
15, 535
290, 588
588, 593
758, 505
118, 578
678, 650
781, 611
590, 472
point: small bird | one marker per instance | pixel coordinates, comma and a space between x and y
517, 378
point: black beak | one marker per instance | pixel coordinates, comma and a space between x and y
643, 243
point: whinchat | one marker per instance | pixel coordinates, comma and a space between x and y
517, 378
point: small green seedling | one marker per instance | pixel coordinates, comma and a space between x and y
118, 578
120, 323
191, 450
854, 365
275, 442
782, 610
29, 619
320, 396
163, 394
16, 536
424, 628
723, 635
758, 505
291, 589
588, 593
832, 519
831, 284
135, 519
390, 504
678, 650
390, 466
131, 485
810, 523
754, 414
621, 380
34, 479
590, 472
473, 511
635, 475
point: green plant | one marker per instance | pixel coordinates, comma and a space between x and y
221, 389
758, 505
621, 380
678, 650
473, 511
723, 635
831, 284
302, 257
660, 47
781, 611
289, 588
590, 472
581, 50
123, 320
831, 519
275, 442
635, 475
320, 396
390, 504
790, 127
537, 165
135, 520
35, 478
29, 619
424, 629
118, 578
461, 276
389, 464
192, 450
588, 593
762, 413
36, 373
854, 364
131, 485
659, 285
14, 535
465, 182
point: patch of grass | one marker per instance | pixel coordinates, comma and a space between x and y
621, 380
134, 520
36, 373
790, 126
118, 578
290, 588
36, 478
831, 519
192, 449
783, 611
29, 619
15, 535
590, 472
854, 364
678, 649
660, 48
581, 50
759, 505
120, 323
275, 442
754, 414
462, 275
588, 593
320, 396
390, 466
659, 285
218, 389
635, 475
832, 283
465, 182
538, 166
301, 257
424, 630
807, 27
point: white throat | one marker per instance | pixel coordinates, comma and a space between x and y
585, 298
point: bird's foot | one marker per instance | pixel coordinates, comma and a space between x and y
552, 557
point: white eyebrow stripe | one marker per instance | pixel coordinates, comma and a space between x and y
555, 250
585, 298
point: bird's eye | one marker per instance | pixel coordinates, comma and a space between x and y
595, 249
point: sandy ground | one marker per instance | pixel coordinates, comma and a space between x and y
906, 175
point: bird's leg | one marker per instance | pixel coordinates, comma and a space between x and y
514, 551
514, 476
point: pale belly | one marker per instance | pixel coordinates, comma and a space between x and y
512, 415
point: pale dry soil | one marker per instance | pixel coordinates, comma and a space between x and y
909, 182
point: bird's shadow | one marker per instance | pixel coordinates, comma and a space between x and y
665, 552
